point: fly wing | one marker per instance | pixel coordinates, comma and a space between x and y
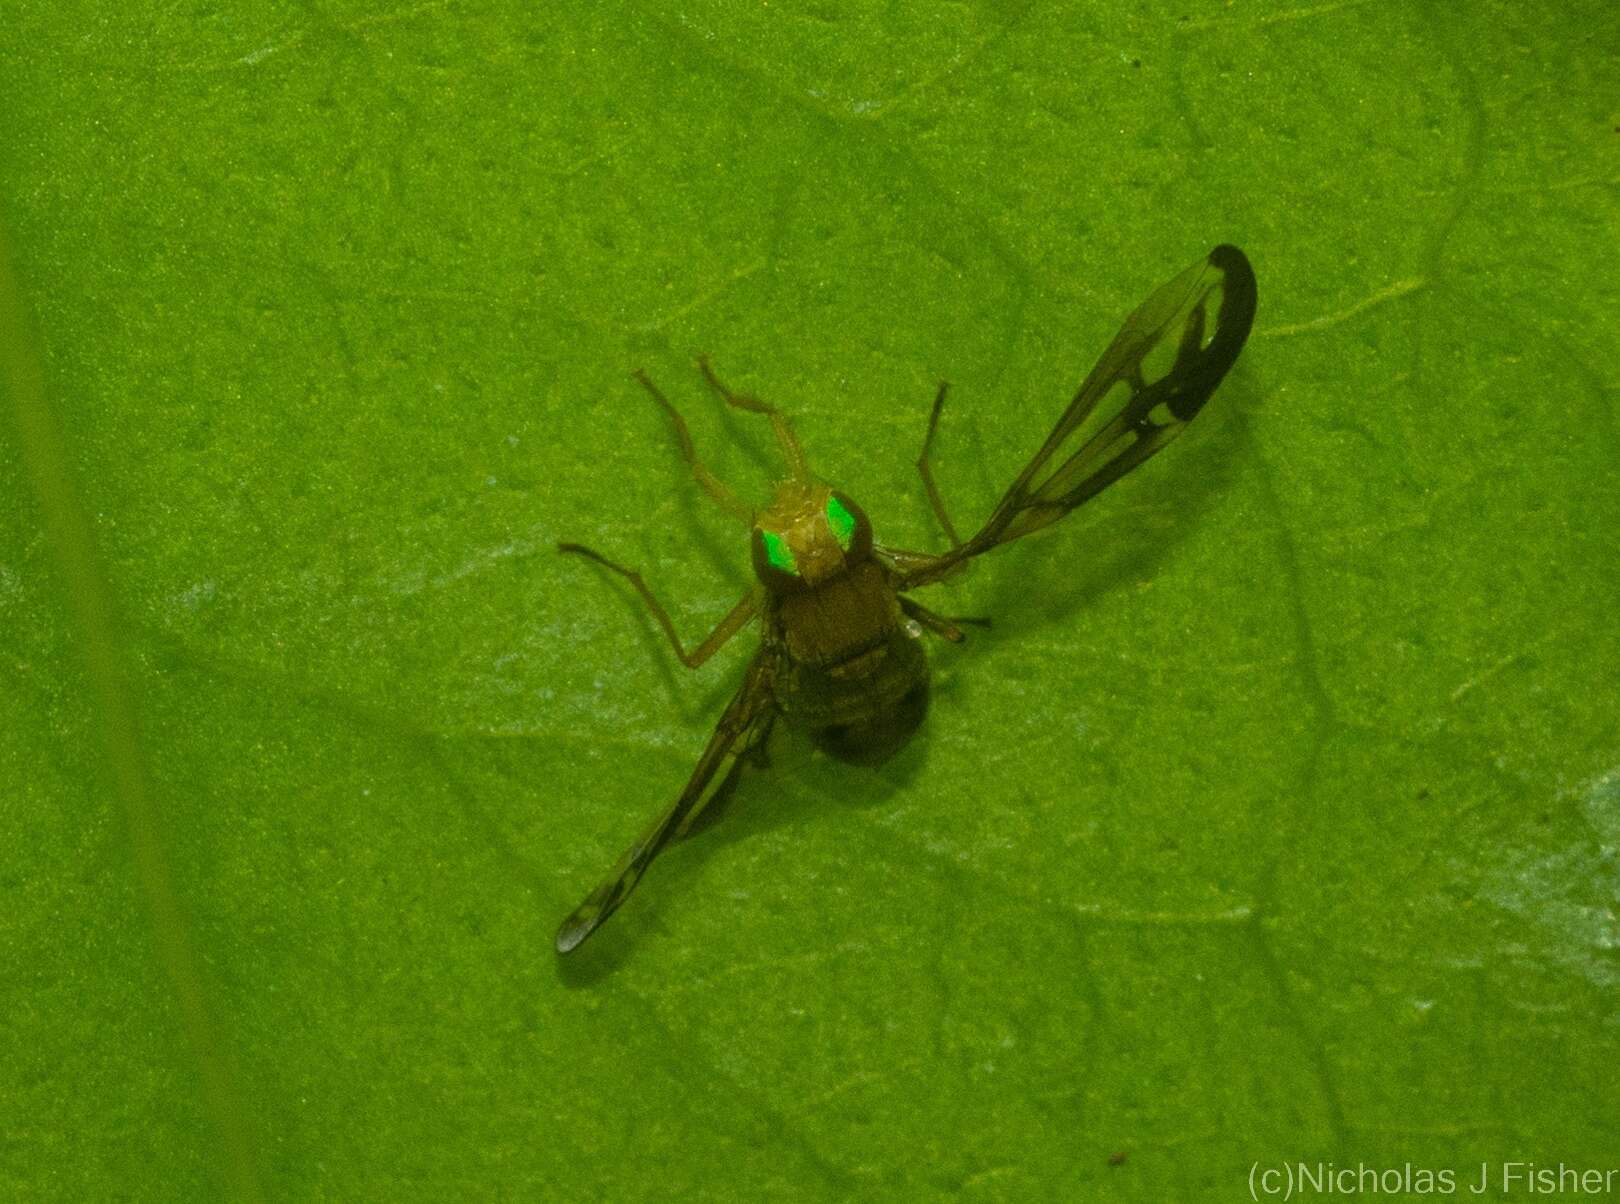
741, 727
1169, 357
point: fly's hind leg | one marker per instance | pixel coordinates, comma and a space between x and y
939, 624
716, 639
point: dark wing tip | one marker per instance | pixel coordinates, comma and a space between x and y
580, 924
1239, 296
1241, 292
589, 915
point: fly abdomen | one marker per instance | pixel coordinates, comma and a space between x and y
862, 709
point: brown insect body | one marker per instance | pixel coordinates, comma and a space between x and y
850, 668
841, 655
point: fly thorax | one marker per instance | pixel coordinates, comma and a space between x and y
842, 618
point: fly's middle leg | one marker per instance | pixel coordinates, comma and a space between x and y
712, 643
926, 471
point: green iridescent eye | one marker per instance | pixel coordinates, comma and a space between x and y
841, 521
778, 553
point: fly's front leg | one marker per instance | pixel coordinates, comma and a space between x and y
711, 484
785, 438
727, 627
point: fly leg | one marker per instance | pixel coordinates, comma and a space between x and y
716, 639
927, 472
938, 624
785, 438
711, 484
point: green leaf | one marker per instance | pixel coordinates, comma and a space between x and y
1274, 824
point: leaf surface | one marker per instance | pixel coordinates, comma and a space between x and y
1276, 818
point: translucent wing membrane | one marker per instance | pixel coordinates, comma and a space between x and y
1169, 357
743, 725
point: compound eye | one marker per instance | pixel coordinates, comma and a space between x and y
775, 564
777, 553
841, 521
848, 525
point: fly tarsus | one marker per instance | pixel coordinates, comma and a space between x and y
716, 639
925, 468
785, 438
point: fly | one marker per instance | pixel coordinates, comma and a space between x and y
841, 656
